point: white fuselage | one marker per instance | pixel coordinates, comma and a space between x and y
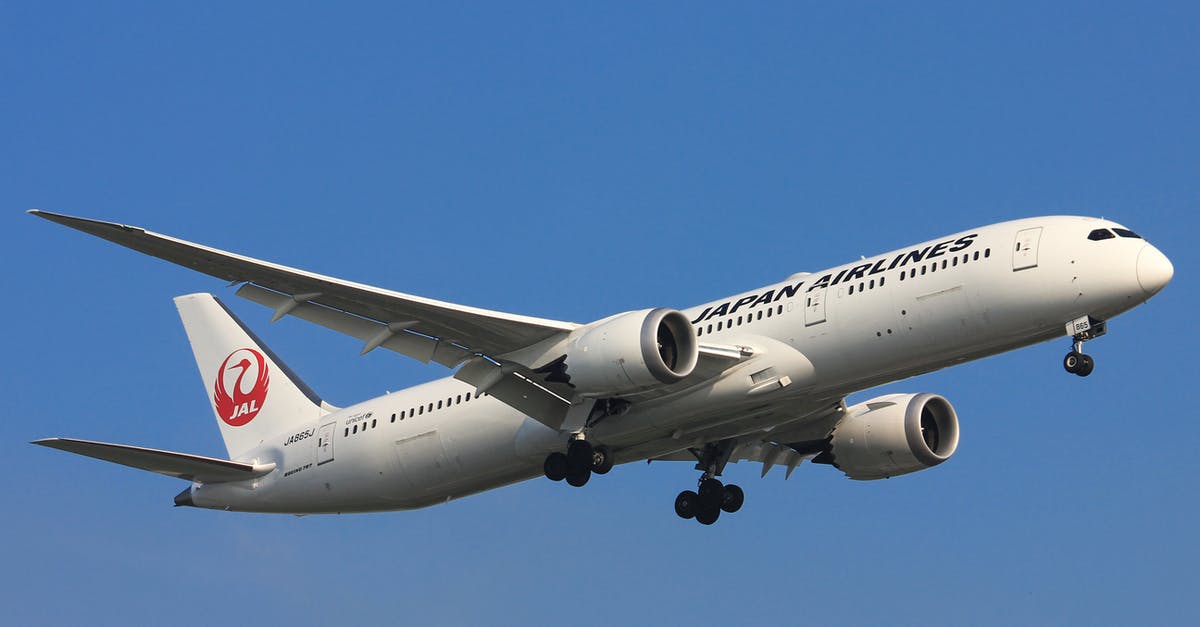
815, 338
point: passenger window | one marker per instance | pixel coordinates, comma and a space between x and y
923, 268
421, 410
955, 262
1100, 234
780, 310
1127, 233
355, 429
374, 421
393, 417
439, 404
976, 256
872, 284
769, 312
760, 315
347, 433
987, 252
881, 280
852, 290
943, 264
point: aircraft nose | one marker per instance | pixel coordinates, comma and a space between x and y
1154, 270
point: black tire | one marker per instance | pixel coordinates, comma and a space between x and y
685, 504
712, 493
1071, 362
602, 459
1086, 365
555, 467
708, 515
579, 479
734, 497
579, 457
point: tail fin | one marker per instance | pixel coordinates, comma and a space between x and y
253, 393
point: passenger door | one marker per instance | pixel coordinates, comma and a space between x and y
1025, 254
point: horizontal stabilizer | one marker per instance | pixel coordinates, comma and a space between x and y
181, 465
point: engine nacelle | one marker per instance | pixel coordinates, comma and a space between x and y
632, 351
894, 435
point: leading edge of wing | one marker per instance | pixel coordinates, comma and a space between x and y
169, 463
498, 332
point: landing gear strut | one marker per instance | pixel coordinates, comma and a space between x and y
578, 463
1082, 330
711, 496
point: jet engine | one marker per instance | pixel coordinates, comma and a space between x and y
893, 435
631, 351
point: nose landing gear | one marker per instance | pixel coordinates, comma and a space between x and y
1078, 363
1082, 330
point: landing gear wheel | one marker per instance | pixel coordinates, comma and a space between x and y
1078, 363
1086, 365
555, 467
712, 493
685, 504
579, 457
1072, 362
733, 499
602, 460
708, 515
578, 479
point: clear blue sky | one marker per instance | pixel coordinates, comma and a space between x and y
572, 161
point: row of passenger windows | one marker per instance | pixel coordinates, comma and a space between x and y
740, 320
946, 263
909, 273
419, 410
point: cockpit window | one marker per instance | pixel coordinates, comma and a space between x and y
1127, 233
1100, 234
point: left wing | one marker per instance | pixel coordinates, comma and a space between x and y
422, 328
500, 350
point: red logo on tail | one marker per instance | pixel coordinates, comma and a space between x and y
243, 405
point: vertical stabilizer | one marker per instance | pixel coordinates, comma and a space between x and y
253, 393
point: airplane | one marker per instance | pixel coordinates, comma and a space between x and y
761, 376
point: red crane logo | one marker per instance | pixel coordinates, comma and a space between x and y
243, 405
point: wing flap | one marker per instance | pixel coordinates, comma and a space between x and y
517, 387
171, 464
373, 334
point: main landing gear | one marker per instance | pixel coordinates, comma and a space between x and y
1082, 330
711, 496
578, 463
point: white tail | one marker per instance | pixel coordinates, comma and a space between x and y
253, 393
